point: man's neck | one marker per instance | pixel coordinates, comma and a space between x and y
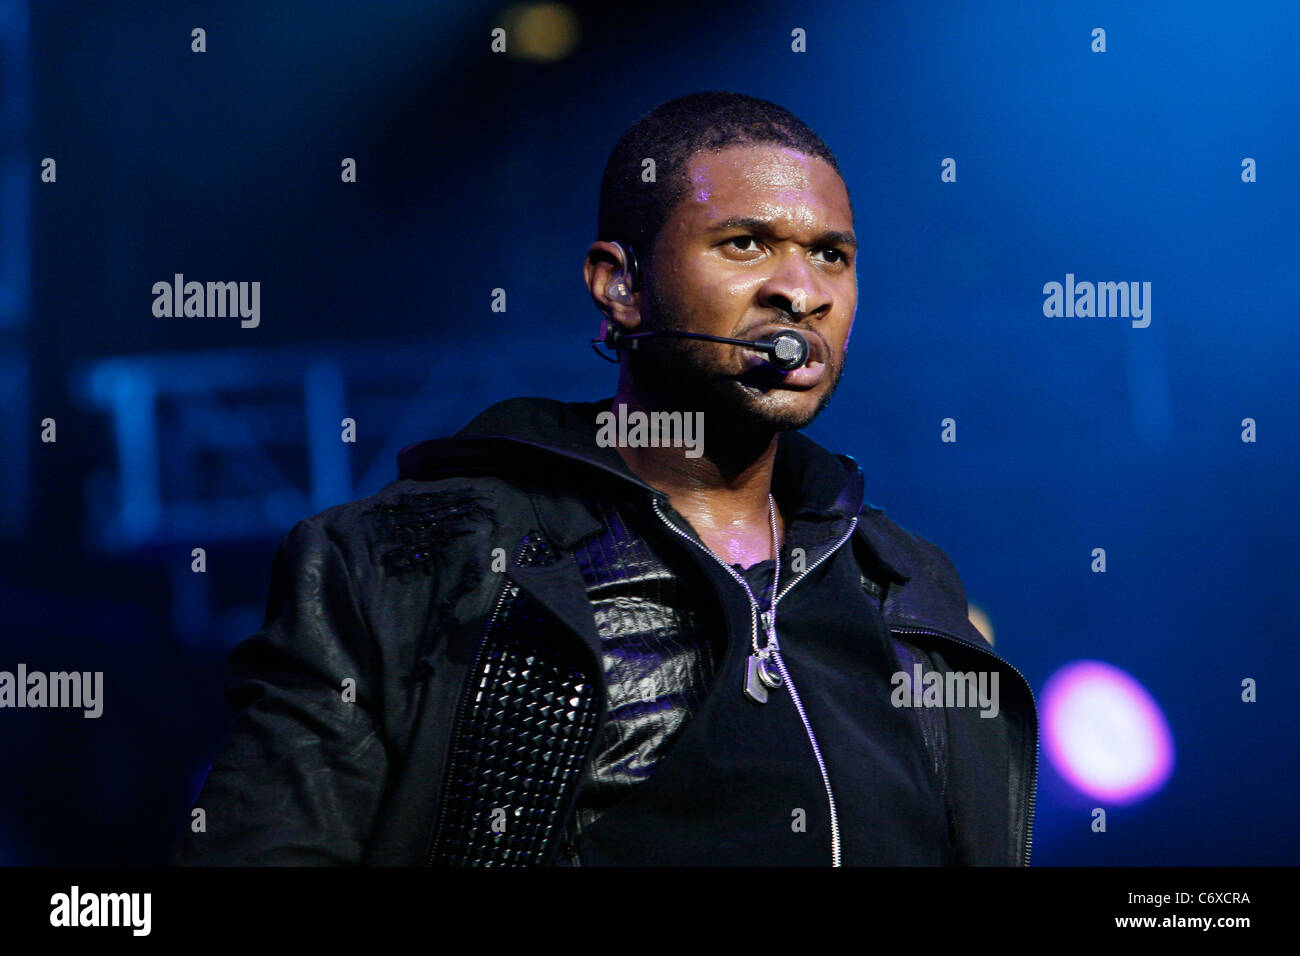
723, 492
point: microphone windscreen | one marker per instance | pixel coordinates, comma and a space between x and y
791, 350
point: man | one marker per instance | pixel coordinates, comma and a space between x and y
558, 640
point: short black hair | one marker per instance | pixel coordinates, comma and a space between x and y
635, 211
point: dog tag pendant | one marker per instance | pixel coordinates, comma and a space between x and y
760, 677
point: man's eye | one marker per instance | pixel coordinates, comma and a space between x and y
741, 239
834, 251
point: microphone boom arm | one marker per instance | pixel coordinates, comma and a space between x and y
786, 350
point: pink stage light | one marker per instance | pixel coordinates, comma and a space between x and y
1104, 733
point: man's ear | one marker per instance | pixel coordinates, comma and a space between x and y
609, 271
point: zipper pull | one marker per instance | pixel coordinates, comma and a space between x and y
761, 675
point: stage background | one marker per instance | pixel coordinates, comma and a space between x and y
478, 171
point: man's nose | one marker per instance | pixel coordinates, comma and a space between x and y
795, 287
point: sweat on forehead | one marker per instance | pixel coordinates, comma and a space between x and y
764, 191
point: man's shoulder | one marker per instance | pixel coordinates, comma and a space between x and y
913, 555
444, 497
412, 522
909, 543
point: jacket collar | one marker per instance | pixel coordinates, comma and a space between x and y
528, 435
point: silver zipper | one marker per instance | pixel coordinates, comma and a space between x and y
776, 653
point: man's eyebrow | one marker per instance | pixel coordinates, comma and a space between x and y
754, 224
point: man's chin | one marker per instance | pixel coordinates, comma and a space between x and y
735, 403
785, 409
740, 408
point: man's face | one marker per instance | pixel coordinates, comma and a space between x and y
762, 240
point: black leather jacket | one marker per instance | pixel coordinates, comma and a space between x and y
426, 688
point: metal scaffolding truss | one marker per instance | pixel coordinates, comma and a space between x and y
225, 445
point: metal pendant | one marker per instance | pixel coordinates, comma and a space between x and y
760, 677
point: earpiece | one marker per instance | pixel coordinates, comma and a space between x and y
625, 282
627, 279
